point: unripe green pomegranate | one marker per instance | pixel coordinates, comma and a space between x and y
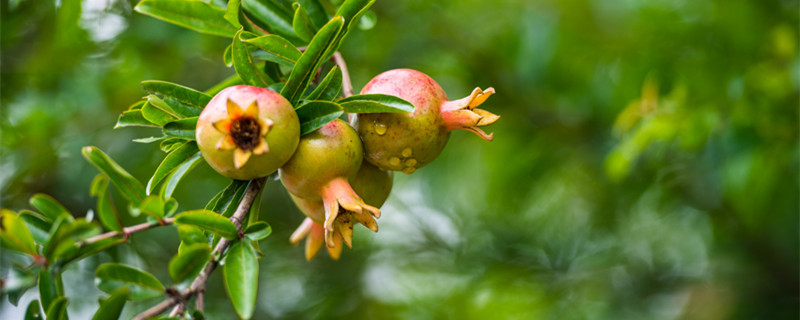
320, 170
408, 141
247, 132
374, 186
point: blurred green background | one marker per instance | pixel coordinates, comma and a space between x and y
646, 165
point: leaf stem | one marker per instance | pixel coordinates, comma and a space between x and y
126, 232
198, 286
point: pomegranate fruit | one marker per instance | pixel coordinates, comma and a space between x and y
408, 141
247, 132
373, 184
320, 170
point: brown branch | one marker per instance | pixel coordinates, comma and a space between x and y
126, 232
347, 86
198, 286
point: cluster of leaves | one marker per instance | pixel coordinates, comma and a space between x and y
279, 45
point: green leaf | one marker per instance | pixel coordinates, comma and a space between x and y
58, 309
315, 114
170, 207
111, 307
375, 103
258, 231
50, 287
170, 144
278, 49
311, 59
190, 235
106, 211
247, 68
316, 11
226, 201
189, 262
133, 118
38, 226
153, 206
328, 89
33, 312
351, 11
142, 285
48, 206
159, 112
128, 186
209, 221
18, 280
63, 244
232, 13
270, 15
81, 252
14, 233
241, 278
183, 94
182, 129
197, 15
149, 139
302, 24
178, 174
172, 162
227, 56
230, 81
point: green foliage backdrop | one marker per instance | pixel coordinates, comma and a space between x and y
646, 165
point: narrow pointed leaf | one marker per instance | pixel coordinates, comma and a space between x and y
230, 81
48, 206
172, 162
227, 56
375, 103
111, 307
189, 261
315, 114
232, 13
49, 285
179, 172
58, 309
258, 231
197, 15
246, 67
153, 206
328, 89
159, 112
316, 11
209, 221
37, 225
33, 312
128, 186
301, 23
270, 15
226, 201
14, 233
241, 278
185, 95
105, 207
149, 139
278, 49
311, 59
133, 118
170, 144
183, 128
142, 285
351, 11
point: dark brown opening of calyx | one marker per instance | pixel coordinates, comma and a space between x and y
244, 132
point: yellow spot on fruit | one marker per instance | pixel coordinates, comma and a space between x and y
407, 152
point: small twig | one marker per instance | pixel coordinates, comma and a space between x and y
347, 86
198, 286
126, 232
